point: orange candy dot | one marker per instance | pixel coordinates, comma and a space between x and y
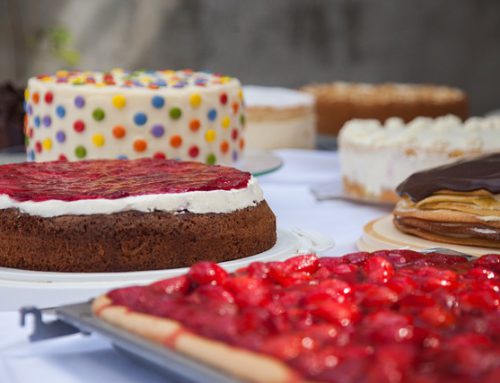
119, 131
242, 143
236, 107
36, 97
194, 125
140, 145
224, 147
176, 141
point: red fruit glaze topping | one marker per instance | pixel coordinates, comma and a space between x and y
112, 179
390, 316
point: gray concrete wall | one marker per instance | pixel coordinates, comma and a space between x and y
274, 42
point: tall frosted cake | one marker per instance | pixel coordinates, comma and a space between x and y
184, 115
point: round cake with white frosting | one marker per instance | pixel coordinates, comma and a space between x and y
375, 158
183, 115
279, 118
115, 215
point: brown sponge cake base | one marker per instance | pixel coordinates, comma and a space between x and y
132, 240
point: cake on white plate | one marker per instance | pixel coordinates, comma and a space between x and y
279, 118
183, 115
376, 157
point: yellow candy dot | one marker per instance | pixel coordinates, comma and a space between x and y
240, 94
119, 101
225, 122
98, 140
27, 94
100, 84
195, 100
47, 144
210, 135
62, 73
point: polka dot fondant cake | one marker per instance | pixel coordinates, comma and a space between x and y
184, 115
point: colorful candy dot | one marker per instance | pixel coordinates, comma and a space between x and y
119, 131
79, 126
242, 143
235, 155
240, 94
122, 157
236, 107
26, 94
176, 141
193, 151
80, 151
31, 155
79, 102
36, 97
119, 101
175, 113
98, 140
140, 118
140, 145
60, 111
195, 100
159, 156
212, 114
242, 119
49, 97
194, 125
47, 121
38, 147
158, 102
47, 144
158, 130
98, 114
224, 147
225, 122
60, 136
30, 109
223, 98
62, 157
211, 159
37, 121
210, 135
234, 134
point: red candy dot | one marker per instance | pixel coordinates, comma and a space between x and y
223, 98
159, 156
79, 126
49, 97
38, 147
234, 134
194, 151
62, 157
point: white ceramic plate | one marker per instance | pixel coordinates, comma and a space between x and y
45, 289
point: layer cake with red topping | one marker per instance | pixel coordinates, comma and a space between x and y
119, 215
389, 316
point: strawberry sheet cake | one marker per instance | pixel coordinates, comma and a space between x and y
129, 215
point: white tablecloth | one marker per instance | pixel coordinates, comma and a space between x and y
83, 359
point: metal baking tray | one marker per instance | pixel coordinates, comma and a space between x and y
78, 318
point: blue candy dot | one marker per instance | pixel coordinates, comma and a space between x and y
30, 109
60, 136
158, 102
122, 157
31, 155
235, 155
79, 102
25, 106
47, 121
37, 121
140, 118
212, 114
60, 111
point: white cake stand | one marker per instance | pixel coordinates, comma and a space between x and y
45, 289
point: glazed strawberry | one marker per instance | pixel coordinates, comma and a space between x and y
391, 316
207, 272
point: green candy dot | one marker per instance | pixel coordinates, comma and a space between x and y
98, 114
242, 119
211, 159
175, 113
80, 151
26, 140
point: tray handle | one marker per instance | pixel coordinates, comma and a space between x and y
45, 329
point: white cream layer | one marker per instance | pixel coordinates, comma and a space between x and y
198, 202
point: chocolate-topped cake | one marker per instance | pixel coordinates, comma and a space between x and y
457, 203
129, 215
